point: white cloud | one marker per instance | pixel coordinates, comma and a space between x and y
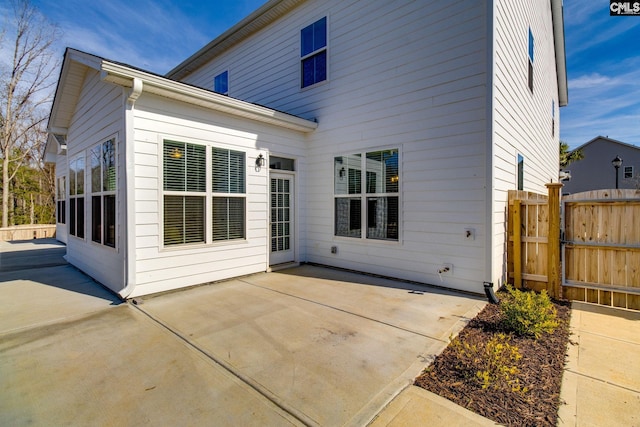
589, 81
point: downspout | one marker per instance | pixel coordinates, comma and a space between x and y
130, 191
489, 183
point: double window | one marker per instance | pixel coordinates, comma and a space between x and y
313, 53
187, 198
103, 193
76, 197
366, 191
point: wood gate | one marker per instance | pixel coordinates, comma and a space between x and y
592, 254
601, 247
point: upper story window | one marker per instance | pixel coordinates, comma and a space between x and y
520, 172
628, 172
313, 52
221, 83
530, 62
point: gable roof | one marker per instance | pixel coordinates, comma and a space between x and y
76, 64
274, 9
259, 19
604, 138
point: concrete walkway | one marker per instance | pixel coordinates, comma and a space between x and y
306, 346
601, 382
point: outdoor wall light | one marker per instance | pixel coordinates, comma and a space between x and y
260, 161
617, 162
341, 173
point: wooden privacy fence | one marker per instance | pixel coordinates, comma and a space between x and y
585, 247
530, 256
602, 247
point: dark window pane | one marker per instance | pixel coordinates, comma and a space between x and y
183, 220
96, 219
221, 83
320, 67
306, 40
80, 217
72, 216
228, 218
347, 217
308, 72
109, 219
320, 34
382, 218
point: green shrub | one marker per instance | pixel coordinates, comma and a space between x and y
529, 313
492, 364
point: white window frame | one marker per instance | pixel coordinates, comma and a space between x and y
103, 193
630, 172
364, 196
304, 57
207, 195
79, 199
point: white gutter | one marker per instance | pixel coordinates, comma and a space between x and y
125, 76
130, 190
557, 16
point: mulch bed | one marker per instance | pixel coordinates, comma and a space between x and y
540, 370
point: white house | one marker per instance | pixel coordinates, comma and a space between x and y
379, 136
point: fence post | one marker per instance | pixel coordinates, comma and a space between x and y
553, 250
517, 245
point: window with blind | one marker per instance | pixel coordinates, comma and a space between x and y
186, 169
76, 197
185, 191
103, 193
229, 195
374, 205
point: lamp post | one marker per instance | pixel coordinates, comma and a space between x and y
617, 162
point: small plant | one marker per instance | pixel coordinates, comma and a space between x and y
529, 313
492, 364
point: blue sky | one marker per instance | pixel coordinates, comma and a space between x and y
603, 54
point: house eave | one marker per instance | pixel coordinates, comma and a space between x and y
125, 76
560, 53
265, 15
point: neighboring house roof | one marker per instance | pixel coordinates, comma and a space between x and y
274, 9
604, 138
72, 77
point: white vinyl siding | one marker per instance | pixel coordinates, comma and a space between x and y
158, 268
98, 117
521, 117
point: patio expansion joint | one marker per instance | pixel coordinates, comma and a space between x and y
255, 386
347, 312
600, 380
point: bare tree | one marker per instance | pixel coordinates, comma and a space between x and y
26, 86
